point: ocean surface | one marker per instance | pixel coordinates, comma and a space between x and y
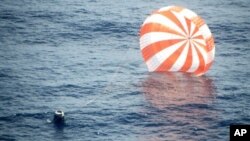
83, 57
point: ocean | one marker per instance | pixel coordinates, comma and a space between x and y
83, 57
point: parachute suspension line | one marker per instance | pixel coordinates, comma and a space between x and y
107, 89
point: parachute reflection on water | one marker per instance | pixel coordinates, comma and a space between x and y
176, 39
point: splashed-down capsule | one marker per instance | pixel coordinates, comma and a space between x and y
59, 117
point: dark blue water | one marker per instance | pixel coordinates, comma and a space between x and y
83, 56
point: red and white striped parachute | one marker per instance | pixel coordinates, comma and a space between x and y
176, 39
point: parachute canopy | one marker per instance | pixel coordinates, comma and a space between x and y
176, 39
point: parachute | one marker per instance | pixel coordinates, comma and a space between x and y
175, 39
